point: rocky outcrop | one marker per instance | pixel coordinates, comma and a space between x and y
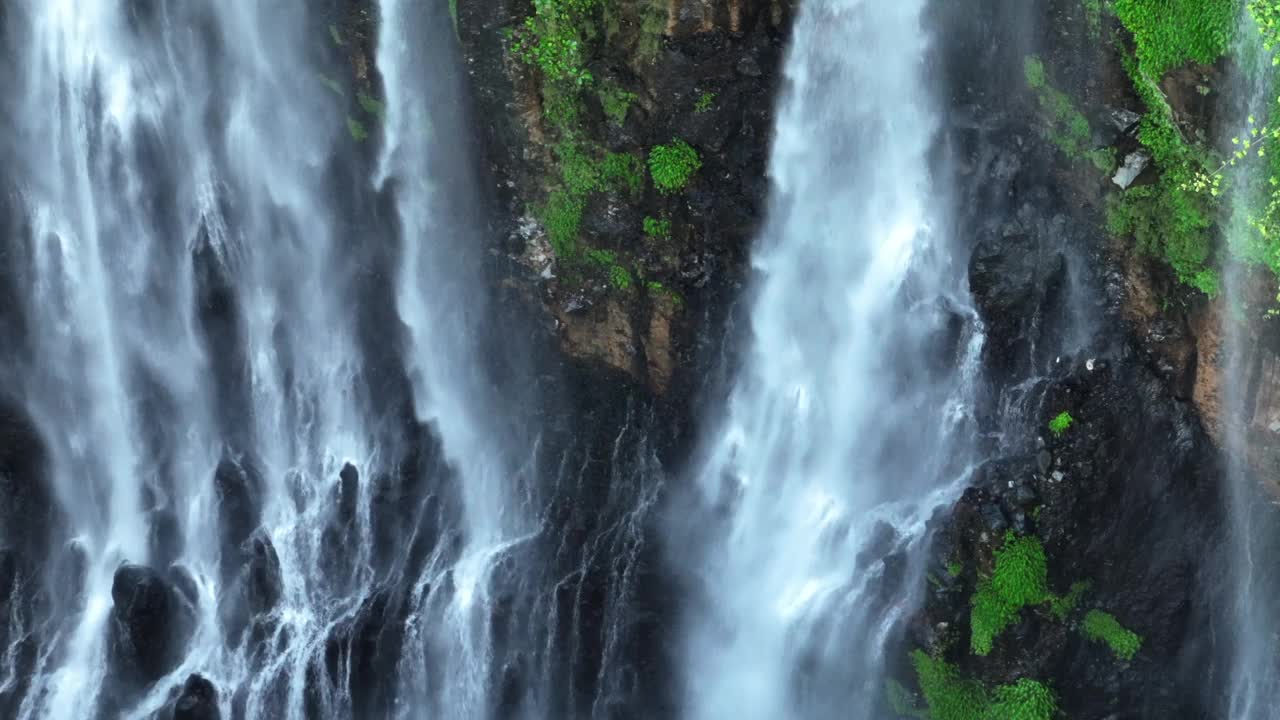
198, 700
656, 263
148, 630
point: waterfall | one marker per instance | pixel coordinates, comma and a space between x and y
1254, 673
211, 360
846, 426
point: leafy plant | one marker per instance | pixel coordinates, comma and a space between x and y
672, 165
1019, 579
1066, 127
657, 229
1063, 606
1170, 33
372, 105
616, 102
620, 277
623, 171
705, 102
357, 129
552, 40
562, 217
954, 569
1103, 627
1061, 422
1024, 700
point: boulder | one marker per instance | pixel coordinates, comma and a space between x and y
149, 626
197, 701
239, 487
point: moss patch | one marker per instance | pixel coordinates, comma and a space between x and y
1103, 627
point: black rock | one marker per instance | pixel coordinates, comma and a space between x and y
255, 591
198, 700
238, 485
149, 626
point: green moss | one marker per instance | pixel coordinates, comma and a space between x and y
1063, 606
453, 14
578, 170
901, 701
1103, 627
705, 102
357, 129
1061, 422
372, 105
1019, 579
620, 277
672, 165
616, 102
332, 85
656, 229
1170, 33
954, 569
1064, 125
624, 172
553, 40
1093, 16
653, 27
562, 217
1172, 217
948, 695
1024, 700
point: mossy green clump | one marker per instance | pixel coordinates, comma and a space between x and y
616, 102
332, 84
620, 277
1173, 217
372, 105
1065, 126
954, 569
553, 40
1171, 33
1103, 627
948, 695
1093, 16
562, 217
705, 102
1063, 606
358, 131
1019, 579
1060, 423
672, 165
1023, 700
656, 229
623, 171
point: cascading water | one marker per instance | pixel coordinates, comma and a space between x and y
196, 308
1254, 674
846, 425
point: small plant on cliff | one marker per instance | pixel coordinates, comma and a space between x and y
705, 102
1060, 423
357, 130
1024, 700
948, 695
954, 569
1063, 606
1019, 579
1065, 126
623, 171
656, 229
1170, 33
672, 165
1266, 13
1103, 627
616, 102
372, 105
551, 40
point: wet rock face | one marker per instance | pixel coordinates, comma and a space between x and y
26, 500
255, 592
149, 627
197, 701
238, 486
1015, 281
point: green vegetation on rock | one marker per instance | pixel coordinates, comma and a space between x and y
948, 695
954, 569
372, 105
1103, 627
1173, 217
1019, 579
1063, 606
656, 229
672, 165
552, 39
705, 102
623, 171
1093, 16
616, 102
1061, 423
357, 129
332, 85
1065, 126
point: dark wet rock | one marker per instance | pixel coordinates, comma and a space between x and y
149, 626
197, 701
1014, 280
255, 592
348, 494
239, 486
27, 513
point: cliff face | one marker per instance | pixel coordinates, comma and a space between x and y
631, 182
